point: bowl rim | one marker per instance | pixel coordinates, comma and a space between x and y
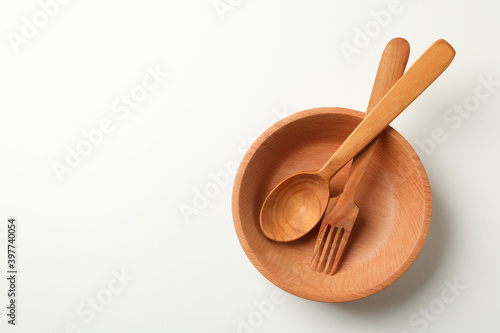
269, 275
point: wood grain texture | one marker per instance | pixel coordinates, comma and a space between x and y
342, 211
394, 194
298, 202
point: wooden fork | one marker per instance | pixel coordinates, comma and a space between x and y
342, 211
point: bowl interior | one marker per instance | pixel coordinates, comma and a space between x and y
393, 196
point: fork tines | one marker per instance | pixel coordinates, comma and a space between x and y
328, 249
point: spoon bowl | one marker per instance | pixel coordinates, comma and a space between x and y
295, 206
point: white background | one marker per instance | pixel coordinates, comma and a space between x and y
232, 71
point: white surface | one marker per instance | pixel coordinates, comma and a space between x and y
119, 209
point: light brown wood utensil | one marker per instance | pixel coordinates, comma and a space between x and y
342, 211
299, 202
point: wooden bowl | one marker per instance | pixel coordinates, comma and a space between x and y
394, 199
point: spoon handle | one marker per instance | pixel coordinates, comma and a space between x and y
417, 78
391, 68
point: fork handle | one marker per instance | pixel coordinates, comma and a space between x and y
391, 68
424, 71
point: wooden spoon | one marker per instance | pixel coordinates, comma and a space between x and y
296, 204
